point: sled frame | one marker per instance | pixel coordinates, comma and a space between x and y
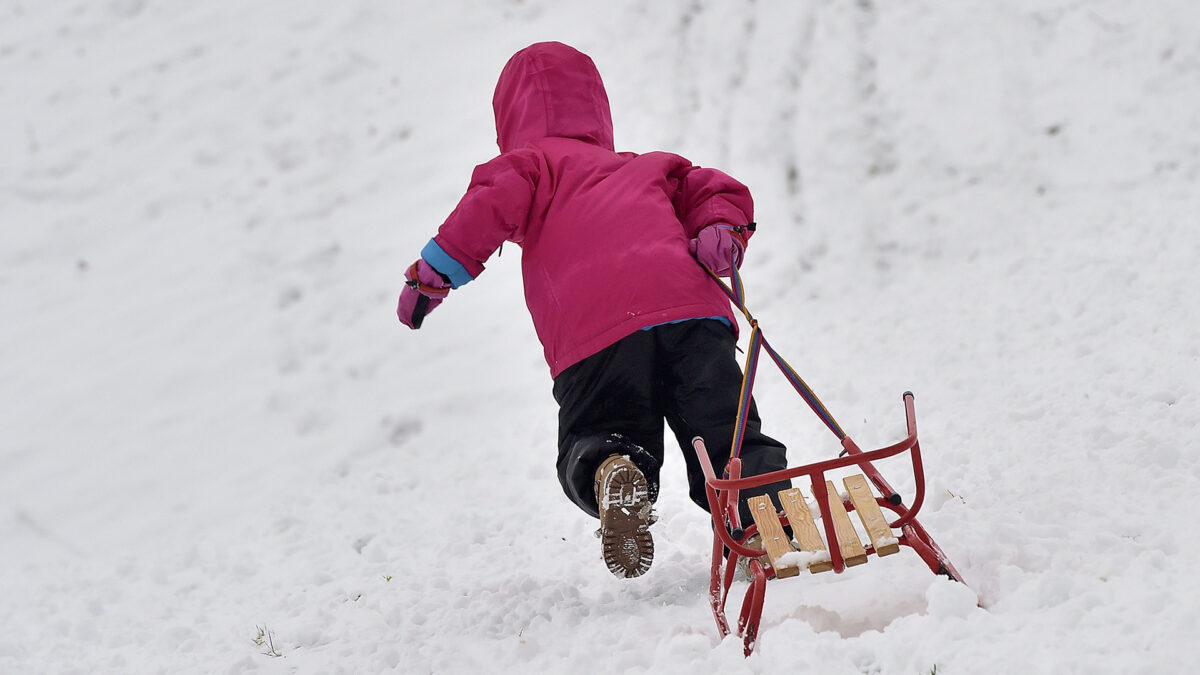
730, 534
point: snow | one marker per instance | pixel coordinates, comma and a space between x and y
214, 431
803, 558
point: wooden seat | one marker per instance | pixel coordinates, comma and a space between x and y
871, 515
852, 549
804, 528
807, 535
775, 541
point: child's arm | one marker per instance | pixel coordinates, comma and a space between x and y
495, 209
716, 212
708, 197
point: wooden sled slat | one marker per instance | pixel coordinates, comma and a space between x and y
852, 549
869, 513
804, 529
774, 539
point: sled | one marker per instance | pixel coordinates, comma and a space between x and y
835, 545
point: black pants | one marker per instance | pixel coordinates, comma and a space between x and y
684, 372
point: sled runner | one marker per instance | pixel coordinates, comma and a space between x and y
835, 544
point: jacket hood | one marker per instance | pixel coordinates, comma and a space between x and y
551, 89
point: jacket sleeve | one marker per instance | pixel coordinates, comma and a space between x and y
708, 197
495, 209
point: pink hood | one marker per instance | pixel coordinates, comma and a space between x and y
551, 89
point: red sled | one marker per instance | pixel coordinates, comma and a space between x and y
783, 556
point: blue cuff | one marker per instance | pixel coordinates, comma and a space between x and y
445, 264
718, 318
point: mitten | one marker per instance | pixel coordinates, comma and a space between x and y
719, 248
424, 289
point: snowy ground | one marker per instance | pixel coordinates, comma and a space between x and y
212, 427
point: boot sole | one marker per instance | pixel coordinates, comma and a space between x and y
624, 521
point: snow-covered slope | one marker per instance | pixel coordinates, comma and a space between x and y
212, 427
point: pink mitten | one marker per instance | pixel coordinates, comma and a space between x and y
424, 289
719, 248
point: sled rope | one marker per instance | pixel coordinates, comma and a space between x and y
737, 294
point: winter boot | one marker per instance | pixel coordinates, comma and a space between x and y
753, 542
623, 497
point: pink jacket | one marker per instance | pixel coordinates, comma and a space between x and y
604, 235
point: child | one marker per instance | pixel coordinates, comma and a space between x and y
634, 329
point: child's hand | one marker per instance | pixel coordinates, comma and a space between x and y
424, 289
719, 248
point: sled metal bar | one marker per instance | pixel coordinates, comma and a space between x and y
722, 503
855, 457
910, 512
916, 537
752, 606
717, 593
811, 469
924, 550
928, 547
821, 494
